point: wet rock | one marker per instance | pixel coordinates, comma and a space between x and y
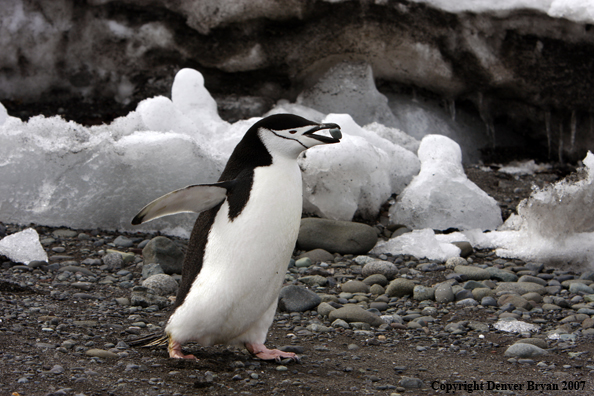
318, 255
502, 275
294, 298
534, 279
519, 288
164, 252
376, 279
355, 286
473, 273
336, 236
400, 287
354, 313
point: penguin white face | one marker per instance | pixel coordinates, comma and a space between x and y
289, 134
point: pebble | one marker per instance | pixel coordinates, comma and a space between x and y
161, 284
354, 313
355, 286
422, 293
101, 353
400, 287
385, 268
369, 308
443, 293
122, 241
318, 255
473, 273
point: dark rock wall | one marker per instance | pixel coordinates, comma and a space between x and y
524, 71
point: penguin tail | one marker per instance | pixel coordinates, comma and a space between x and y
149, 341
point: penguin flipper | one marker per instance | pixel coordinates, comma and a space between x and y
196, 198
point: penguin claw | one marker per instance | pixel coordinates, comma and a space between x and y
260, 351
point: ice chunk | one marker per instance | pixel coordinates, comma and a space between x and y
523, 168
441, 196
192, 99
23, 247
3, 114
394, 135
555, 224
512, 325
419, 243
355, 176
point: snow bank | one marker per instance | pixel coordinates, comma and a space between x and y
60, 173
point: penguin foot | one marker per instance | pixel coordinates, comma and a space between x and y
175, 351
264, 353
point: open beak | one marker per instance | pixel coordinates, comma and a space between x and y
333, 130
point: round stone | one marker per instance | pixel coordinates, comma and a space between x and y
161, 284
376, 279
354, 313
524, 351
444, 293
422, 293
400, 287
473, 273
384, 268
354, 286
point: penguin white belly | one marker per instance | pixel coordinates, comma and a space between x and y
234, 297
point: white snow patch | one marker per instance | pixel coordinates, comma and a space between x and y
419, 243
574, 10
524, 168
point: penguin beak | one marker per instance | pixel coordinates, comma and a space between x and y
333, 129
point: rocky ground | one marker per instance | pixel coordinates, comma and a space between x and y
65, 326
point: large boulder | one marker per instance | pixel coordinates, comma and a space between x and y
342, 237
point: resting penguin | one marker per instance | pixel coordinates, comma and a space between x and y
243, 239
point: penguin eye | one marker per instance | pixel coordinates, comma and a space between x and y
293, 132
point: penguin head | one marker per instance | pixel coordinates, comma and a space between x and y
289, 135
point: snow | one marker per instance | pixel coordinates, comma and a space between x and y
524, 168
419, 243
441, 196
574, 10
23, 247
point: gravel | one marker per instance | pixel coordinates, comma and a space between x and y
65, 324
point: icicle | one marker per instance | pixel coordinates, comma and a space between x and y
486, 119
561, 142
573, 127
452, 106
548, 130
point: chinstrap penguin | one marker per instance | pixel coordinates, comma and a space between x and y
243, 239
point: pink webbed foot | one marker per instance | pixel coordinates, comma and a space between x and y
264, 353
175, 351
